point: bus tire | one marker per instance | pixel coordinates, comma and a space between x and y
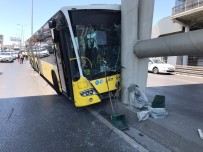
55, 83
31, 63
38, 69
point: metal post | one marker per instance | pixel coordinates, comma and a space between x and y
21, 35
185, 57
30, 40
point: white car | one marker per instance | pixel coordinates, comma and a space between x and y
15, 54
43, 53
158, 66
6, 57
9, 53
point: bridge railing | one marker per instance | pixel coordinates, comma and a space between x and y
187, 6
189, 70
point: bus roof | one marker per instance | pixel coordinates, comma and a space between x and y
93, 6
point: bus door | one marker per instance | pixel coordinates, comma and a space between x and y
60, 68
62, 57
64, 49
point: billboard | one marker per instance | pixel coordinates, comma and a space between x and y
15, 39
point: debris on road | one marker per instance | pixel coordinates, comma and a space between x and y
153, 112
142, 115
200, 133
137, 98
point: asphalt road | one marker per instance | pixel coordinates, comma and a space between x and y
184, 94
184, 102
33, 118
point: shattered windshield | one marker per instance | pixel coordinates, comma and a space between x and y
99, 49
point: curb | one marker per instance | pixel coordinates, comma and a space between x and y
128, 139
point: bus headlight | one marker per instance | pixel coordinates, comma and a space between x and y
88, 92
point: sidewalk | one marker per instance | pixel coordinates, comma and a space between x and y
174, 133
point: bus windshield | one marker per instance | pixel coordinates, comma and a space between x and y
99, 45
99, 49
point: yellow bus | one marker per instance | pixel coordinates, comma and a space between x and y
78, 52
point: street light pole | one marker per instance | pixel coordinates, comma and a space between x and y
32, 19
30, 40
22, 35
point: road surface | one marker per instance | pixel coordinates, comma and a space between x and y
34, 119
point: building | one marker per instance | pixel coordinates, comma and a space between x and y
187, 15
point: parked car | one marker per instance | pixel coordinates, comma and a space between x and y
15, 54
12, 53
9, 53
158, 66
43, 53
6, 57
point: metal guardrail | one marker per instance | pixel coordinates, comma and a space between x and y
187, 6
189, 70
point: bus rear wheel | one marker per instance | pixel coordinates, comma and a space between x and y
38, 70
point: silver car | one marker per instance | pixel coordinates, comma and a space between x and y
6, 57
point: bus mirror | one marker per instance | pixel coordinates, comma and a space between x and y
55, 35
52, 24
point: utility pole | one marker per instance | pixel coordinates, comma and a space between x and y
32, 19
30, 40
22, 35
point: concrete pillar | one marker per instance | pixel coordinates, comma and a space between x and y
185, 57
129, 36
145, 16
185, 60
136, 25
172, 60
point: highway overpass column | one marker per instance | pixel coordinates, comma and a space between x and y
136, 25
185, 57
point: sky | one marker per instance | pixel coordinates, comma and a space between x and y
15, 15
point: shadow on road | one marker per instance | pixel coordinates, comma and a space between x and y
52, 123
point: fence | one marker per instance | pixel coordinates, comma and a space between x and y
189, 70
187, 6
